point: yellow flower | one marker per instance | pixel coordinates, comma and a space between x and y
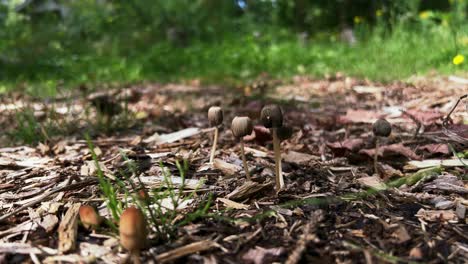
459, 59
358, 20
379, 12
424, 15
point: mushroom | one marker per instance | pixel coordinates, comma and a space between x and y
215, 117
90, 217
272, 118
242, 126
380, 128
132, 229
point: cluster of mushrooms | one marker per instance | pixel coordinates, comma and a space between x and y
132, 228
132, 225
271, 117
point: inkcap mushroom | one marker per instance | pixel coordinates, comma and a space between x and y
89, 217
132, 229
242, 126
272, 118
215, 117
380, 128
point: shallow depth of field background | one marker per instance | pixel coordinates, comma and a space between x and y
50, 45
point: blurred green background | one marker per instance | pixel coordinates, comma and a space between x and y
48, 45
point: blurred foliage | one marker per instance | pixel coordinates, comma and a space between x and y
65, 43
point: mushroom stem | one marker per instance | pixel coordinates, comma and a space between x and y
278, 169
244, 160
376, 154
135, 256
213, 149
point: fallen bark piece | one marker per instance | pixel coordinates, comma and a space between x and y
446, 183
246, 190
186, 250
68, 229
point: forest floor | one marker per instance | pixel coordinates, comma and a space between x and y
334, 207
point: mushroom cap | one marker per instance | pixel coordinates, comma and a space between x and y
271, 116
132, 229
241, 126
89, 216
215, 116
382, 128
284, 132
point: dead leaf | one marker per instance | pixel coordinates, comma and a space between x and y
436, 148
348, 144
359, 116
426, 117
392, 150
298, 157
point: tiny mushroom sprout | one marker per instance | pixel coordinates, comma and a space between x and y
89, 217
215, 117
132, 229
272, 118
380, 128
242, 126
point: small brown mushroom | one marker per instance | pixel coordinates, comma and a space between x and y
241, 127
90, 217
380, 128
215, 117
272, 117
132, 229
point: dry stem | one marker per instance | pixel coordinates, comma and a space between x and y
376, 154
278, 169
247, 174
213, 149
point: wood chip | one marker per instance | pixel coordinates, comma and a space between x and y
246, 190
68, 229
231, 204
229, 169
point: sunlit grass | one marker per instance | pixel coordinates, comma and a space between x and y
378, 55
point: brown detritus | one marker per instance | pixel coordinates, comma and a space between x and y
241, 127
132, 230
215, 117
380, 128
90, 217
272, 117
